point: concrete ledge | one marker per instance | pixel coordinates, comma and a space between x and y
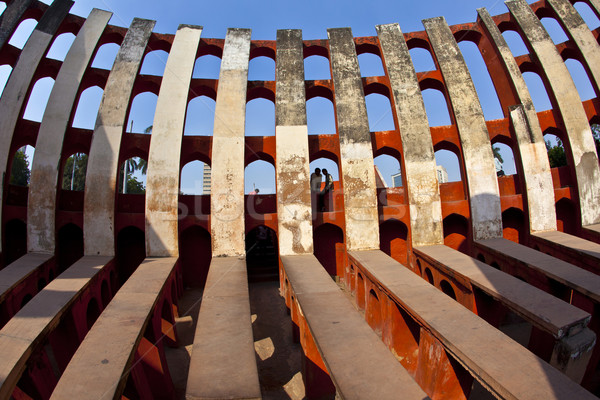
504, 367
572, 249
223, 361
30, 326
100, 364
17, 271
358, 362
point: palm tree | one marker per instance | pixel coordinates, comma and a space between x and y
129, 166
497, 154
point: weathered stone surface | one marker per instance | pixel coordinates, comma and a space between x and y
45, 171
227, 189
530, 141
569, 105
484, 195
15, 91
103, 160
162, 184
357, 166
294, 214
419, 159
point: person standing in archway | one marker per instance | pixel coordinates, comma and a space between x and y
326, 189
315, 188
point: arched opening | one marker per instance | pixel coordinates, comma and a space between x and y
325, 201
390, 172
325, 239
60, 47
2, 7
200, 117
207, 67
154, 63
393, 235
38, 99
26, 299
259, 178
448, 166
320, 116
316, 68
20, 170
429, 276
537, 90
105, 56
5, 71
379, 113
373, 312
22, 33
73, 176
590, 18
360, 291
557, 155
262, 254
192, 178
261, 69
41, 283
105, 293
195, 253
515, 43
554, 29
87, 108
141, 113
370, 65
130, 252
567, 216
513, 225
506, 159
581, 79
15, 240
135, 169
260, 118
404, 338
436, 107
484, 86
480, 257
456, 232
92, 313
447, 289
422, 59
69, 246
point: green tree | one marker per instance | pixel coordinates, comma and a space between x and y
596, 133
497, 154
556, 154
20, 173
133, 185
74, 172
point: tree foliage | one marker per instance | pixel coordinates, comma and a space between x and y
556, 154
596, 133
74, 172
497, 154
20, 173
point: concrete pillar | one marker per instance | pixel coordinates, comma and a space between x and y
10, 19
103, 160
294, 214
484, 196
570, 108
530, 140
162, 182
357, 167
227, 191
20, 79
45, 171
419, 159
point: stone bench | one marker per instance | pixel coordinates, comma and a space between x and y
572, 249
357, 361
503, 366
567, 324
20, 337
223, 360
101, 364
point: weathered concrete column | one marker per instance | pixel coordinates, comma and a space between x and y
357, 166
484, 195
10, 18
103, 160
530, 140
294, 213
227, 190
20, 79
571, 110
41, 206
419, 158
162, 182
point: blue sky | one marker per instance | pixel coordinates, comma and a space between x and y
264, 17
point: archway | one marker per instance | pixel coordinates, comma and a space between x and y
130, 252
513, 225
262, 254
456, 232
326, 237
195, 253
392, 240
15, 240
69, 246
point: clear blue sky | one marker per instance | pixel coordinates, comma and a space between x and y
313, 17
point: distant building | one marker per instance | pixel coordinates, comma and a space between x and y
379, 180
206, 180
397, 179
442, 174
